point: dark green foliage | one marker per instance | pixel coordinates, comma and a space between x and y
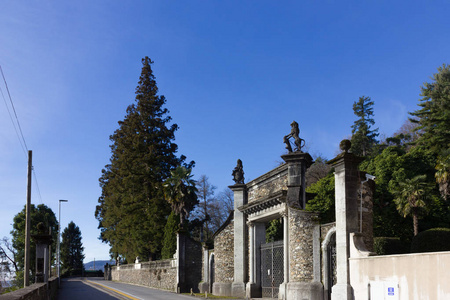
434, 115
432, 240
170, 236
392, 167
72, 250
132, 211
323, 202
363, 137
180, 192
389, 245
274, 231
38, 214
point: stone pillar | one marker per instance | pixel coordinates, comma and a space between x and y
297, 162
257, 236
181, 260
204, 285
347, 182
43, 242
240, 242
304, 256
283, 286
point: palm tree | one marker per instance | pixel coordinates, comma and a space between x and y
411, 198
180, 192
443, 176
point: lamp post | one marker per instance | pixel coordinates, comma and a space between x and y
58, 263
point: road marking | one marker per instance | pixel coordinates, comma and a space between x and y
114, 290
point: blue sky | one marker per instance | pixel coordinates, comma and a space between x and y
235, 75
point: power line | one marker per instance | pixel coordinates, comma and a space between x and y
37, 186
12, 121
14, 109
22, 142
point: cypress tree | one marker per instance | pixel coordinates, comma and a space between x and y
132, 210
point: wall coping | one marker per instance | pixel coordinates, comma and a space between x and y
267, 176
402, 255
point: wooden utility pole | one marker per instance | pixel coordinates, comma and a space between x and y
26, 275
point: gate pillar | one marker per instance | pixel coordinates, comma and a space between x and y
257, 236
346, 197
240, 241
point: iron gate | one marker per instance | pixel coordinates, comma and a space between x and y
272, 274
332, 263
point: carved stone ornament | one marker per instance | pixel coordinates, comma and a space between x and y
345, 145
238, 173
298, 142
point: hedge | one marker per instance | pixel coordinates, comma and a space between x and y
389, 245
431, 240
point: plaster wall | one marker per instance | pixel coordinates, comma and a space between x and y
423, 276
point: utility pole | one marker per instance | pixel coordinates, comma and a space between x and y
26, 275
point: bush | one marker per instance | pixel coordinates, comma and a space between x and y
389, 245
432, 240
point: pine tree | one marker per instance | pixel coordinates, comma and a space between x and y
363, 137
132, 210
434, 115
72, 250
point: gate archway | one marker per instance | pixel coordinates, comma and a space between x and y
329, 262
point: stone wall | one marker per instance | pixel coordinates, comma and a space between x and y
267, 184
160, 274
302, 225
224, 255
37, 291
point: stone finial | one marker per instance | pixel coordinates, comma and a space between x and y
238, 173
295, 131
345, 145
41, 228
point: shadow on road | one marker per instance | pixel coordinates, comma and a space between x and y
75, 289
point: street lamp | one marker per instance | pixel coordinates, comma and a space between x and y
58, 263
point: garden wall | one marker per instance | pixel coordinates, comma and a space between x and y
161, 274
410, 276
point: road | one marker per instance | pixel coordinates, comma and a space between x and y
99, 289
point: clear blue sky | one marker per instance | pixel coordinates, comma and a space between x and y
235, 75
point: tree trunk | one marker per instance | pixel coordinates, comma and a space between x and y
416, 223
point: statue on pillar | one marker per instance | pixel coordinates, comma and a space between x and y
238, 173
297, 140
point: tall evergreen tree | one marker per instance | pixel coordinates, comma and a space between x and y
132, 211
363, 137
72, 250
434, 115
38, 214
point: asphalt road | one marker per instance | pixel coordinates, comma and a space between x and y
99, 289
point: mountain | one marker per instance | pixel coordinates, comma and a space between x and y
99, 264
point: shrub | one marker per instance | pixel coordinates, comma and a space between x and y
432, 240
389, 245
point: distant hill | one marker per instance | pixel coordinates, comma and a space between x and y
99, 264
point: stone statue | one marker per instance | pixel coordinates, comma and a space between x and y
297, 140
238, 173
